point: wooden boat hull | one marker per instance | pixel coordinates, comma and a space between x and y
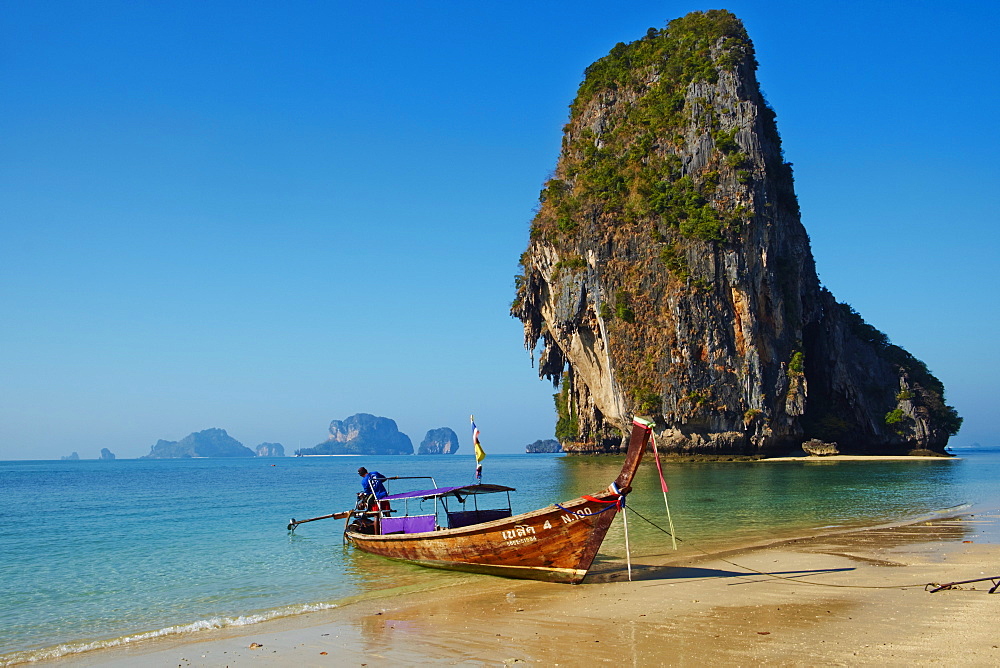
555, 543
549, 544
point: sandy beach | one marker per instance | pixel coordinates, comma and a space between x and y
853, 458
848, 598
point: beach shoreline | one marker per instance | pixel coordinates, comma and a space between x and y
859, 458
677, 457
799, 600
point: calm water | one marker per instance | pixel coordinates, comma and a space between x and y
95, 552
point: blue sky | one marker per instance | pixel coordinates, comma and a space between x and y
263, 216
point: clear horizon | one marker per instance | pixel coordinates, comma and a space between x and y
263, 218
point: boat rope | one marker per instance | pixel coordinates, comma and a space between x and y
663, 486
617, 503
789, 580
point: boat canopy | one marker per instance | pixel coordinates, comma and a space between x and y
457, 492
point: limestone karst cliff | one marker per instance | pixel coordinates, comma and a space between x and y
206, 443
668, 273
440, 441
270, 450
547, 445
362, 434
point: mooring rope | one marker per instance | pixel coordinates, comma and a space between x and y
789, 580
663, 486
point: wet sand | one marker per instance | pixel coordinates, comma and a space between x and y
856, 458
850, 598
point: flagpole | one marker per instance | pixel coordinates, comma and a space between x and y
479, 452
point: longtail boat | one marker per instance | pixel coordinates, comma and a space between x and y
557, 543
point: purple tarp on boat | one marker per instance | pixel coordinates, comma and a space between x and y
414, 524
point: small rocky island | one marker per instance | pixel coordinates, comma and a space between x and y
106, 455
270, 450
362, 434
441, 441
206, 443
547, 445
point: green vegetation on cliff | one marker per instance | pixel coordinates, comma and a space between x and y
567, 426
682, 53
631, 165
626, 165
927, 385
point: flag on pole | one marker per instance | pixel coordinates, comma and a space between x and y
480, 453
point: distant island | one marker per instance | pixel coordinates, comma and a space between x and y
106, 455
270, 450
548, 445
441, 441
207, 443
362, 434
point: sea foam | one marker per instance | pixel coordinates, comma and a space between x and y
213, 623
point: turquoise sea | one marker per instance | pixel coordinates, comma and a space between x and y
97, 553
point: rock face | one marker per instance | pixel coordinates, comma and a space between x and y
107, 454
548, 445
363, 434
817, 448
668, 273
442, 441
207, 443
270, 450
72, 457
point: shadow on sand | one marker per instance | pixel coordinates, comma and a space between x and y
666, 574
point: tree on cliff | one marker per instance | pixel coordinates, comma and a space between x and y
668, 272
